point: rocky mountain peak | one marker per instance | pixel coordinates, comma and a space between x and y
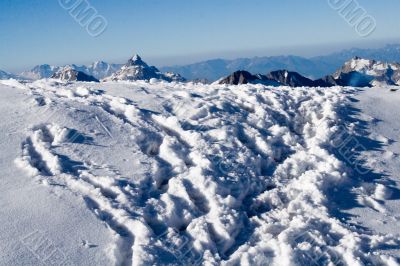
137, 69
136, 60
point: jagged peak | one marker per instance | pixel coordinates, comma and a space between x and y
136, 57
96, 63
136, 60
68, 68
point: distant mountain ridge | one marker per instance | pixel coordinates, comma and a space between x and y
98, 69
320, 67
315, 67
40, 71
6, 75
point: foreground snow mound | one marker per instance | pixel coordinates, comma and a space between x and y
195, 174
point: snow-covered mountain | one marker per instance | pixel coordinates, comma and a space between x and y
380, 73
137, 69
70, 74
98, 69
359, 72
40, 72
333, 61
101, 69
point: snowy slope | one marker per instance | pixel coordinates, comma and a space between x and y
379, 109
189, 174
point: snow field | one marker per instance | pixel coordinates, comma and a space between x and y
205, 174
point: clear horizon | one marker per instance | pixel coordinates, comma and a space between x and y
175, 32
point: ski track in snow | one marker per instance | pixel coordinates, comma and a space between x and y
234, 175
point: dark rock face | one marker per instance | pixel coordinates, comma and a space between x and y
244, 77
70, 74
324, 82
275, 78
238, 78
291, 79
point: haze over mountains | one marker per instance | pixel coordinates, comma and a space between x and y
315, 67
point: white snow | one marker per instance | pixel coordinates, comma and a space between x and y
379, 108
172, 173
360, 64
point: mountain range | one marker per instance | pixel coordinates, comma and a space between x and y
356, 72
99, 70
320, 67
315, 67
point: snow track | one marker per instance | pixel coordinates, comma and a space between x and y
190, 174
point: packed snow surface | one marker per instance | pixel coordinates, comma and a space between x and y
183, 174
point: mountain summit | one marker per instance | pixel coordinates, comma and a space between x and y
136, 60
137, 69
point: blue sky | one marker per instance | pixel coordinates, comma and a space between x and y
182, 31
